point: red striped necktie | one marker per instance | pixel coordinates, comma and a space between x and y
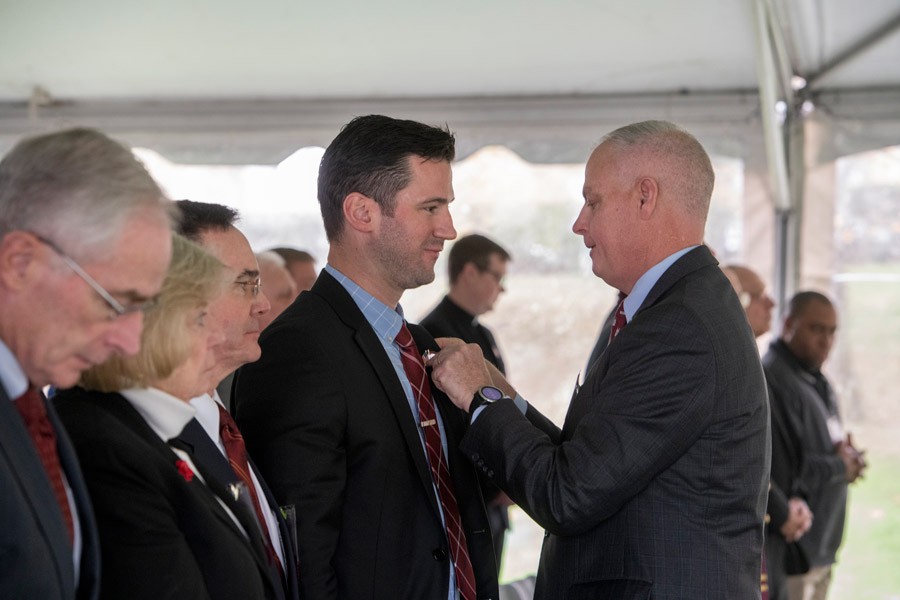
236, 451
440, 474
31, 406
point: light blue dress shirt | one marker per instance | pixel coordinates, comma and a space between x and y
386, 323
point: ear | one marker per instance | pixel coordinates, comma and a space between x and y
649, 191
361, 212
787, 329
18, 254
469, 271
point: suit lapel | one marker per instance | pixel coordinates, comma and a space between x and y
221, 481
28, 469
335, 294
205, 451
697, 258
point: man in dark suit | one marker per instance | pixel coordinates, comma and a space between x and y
476, 268
803, 399
77, 213
339, 412
656, 485
239, 311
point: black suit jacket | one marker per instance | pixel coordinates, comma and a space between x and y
657, 486
160, 535
449, 320
217, 470
35, 553
325, 417
822, 477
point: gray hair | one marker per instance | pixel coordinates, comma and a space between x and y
272, 258
678, 155
77, 187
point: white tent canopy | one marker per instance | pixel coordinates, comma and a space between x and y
232, 82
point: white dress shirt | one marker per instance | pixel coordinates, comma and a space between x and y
208, 417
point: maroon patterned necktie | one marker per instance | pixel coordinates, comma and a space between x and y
619, 320
440, 474
237, 458
31, 406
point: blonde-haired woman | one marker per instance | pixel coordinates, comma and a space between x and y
164, 533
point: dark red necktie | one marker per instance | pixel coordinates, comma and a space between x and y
440, 474
31, 406
764, 579
619, 320
237, 458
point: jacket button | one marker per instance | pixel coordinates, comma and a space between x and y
475, 457
490, 472
439, 555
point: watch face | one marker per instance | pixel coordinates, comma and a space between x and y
491, 393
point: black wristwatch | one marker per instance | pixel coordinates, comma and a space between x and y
485, 395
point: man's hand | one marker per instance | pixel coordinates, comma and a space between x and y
459, 370
854, 460
799, 520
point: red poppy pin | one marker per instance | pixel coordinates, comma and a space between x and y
184, 470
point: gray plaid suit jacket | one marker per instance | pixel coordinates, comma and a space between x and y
656, 485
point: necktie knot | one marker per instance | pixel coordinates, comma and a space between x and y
31, 406
620, 320
404, 338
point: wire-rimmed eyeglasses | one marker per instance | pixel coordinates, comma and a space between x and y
117, 307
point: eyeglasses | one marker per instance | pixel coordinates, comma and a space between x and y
498, 276
254, 286
117, 307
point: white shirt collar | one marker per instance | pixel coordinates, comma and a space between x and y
207, 413
13, 378
165, 414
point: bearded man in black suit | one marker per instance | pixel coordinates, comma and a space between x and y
336, 412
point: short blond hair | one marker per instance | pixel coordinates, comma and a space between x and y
194, 278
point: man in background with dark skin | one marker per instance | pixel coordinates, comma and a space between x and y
802, 397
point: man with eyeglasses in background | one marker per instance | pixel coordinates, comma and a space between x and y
78, 214
212, 437
476, 268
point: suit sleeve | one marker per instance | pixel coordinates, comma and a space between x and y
652, 404
816, 470
292, 412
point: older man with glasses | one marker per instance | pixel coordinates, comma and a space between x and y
212, 436
85, 240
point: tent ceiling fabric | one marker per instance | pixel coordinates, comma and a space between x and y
230, 81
